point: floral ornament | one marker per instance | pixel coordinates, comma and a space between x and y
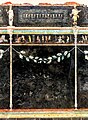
1, 53
68, 55
86, 54
27, 59
21, 54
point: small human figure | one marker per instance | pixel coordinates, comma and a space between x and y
43, 39
68, 39
56, 39
19, 39
33, 38
75, 13
84, 38
29, 38
38, 39
63, 39
49, 38
23, 39
60, 39
10, 16
1, 40
46, 38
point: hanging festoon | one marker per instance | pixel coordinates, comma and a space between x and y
2, 52
36, 59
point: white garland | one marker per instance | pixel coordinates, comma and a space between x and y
59, 57
47, 60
